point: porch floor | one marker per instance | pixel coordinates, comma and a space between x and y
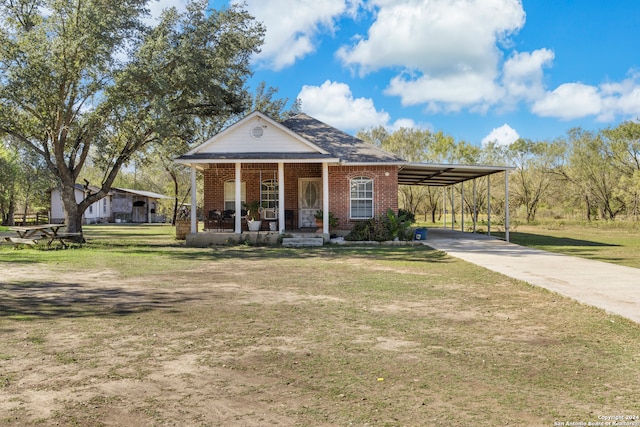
223, 237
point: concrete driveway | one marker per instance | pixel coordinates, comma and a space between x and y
614, 288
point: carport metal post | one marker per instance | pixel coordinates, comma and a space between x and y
506, 205
475, 208
453, 210
462, 206
489, 205
444, 207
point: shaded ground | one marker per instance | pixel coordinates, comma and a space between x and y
328, 337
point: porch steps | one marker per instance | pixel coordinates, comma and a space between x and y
302, 242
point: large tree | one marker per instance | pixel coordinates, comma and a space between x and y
623, 145
88, 79
593, 173
534, 175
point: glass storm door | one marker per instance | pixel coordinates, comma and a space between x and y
309, 200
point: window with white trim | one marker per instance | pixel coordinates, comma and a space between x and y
230, 194
361, 198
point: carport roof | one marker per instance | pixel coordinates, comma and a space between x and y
440, 175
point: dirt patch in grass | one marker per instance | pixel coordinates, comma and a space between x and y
259, 336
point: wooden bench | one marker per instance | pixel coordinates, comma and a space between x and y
17, 241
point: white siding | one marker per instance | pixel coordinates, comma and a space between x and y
241, 140
95, 215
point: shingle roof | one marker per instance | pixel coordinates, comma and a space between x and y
339, 144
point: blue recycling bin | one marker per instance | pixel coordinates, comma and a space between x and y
420, 234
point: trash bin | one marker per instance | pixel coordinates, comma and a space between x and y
420, 234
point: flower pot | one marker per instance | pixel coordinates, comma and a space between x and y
254, 224
183, 228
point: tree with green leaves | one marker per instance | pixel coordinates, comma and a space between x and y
534, 175
623, 144
590, 170
9, 176
88, 79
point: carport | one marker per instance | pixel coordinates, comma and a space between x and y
449, 175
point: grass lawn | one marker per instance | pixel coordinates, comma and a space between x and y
609, 244
134, 328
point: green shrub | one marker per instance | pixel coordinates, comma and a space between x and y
380, 229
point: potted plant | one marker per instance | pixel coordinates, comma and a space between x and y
254, 221
183, 223
319, 215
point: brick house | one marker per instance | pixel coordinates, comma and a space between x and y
301, 166
293, 169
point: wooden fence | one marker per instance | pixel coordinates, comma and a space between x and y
31, 218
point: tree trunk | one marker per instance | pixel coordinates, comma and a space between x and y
11, 211
588, 207
71, 209
174, 178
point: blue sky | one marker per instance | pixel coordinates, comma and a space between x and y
478, 70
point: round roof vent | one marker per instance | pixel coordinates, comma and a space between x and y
257, 131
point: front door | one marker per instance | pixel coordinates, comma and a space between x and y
309, 200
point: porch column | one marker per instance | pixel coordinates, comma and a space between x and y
281, 197
238, 206
506, 205
194, 213
325, 198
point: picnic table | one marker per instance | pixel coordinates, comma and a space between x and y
32, 234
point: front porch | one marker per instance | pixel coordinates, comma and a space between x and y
205, 239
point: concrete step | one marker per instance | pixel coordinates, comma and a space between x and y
301, 242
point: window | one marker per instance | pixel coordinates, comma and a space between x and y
361, 198
230, 194
104, 205
269, 200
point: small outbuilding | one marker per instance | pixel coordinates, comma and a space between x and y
121, 205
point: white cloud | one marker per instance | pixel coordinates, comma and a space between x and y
449, 93
522, 74
333, 103
569, 101
293, 26
504, 135
621, 98
403, 123
450, 46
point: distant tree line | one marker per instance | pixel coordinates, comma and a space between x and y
586, 175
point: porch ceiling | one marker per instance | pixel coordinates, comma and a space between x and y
440, 175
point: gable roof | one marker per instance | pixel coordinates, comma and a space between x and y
316, 142
338, 143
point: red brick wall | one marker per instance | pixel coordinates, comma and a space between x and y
385, 185
385, 190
